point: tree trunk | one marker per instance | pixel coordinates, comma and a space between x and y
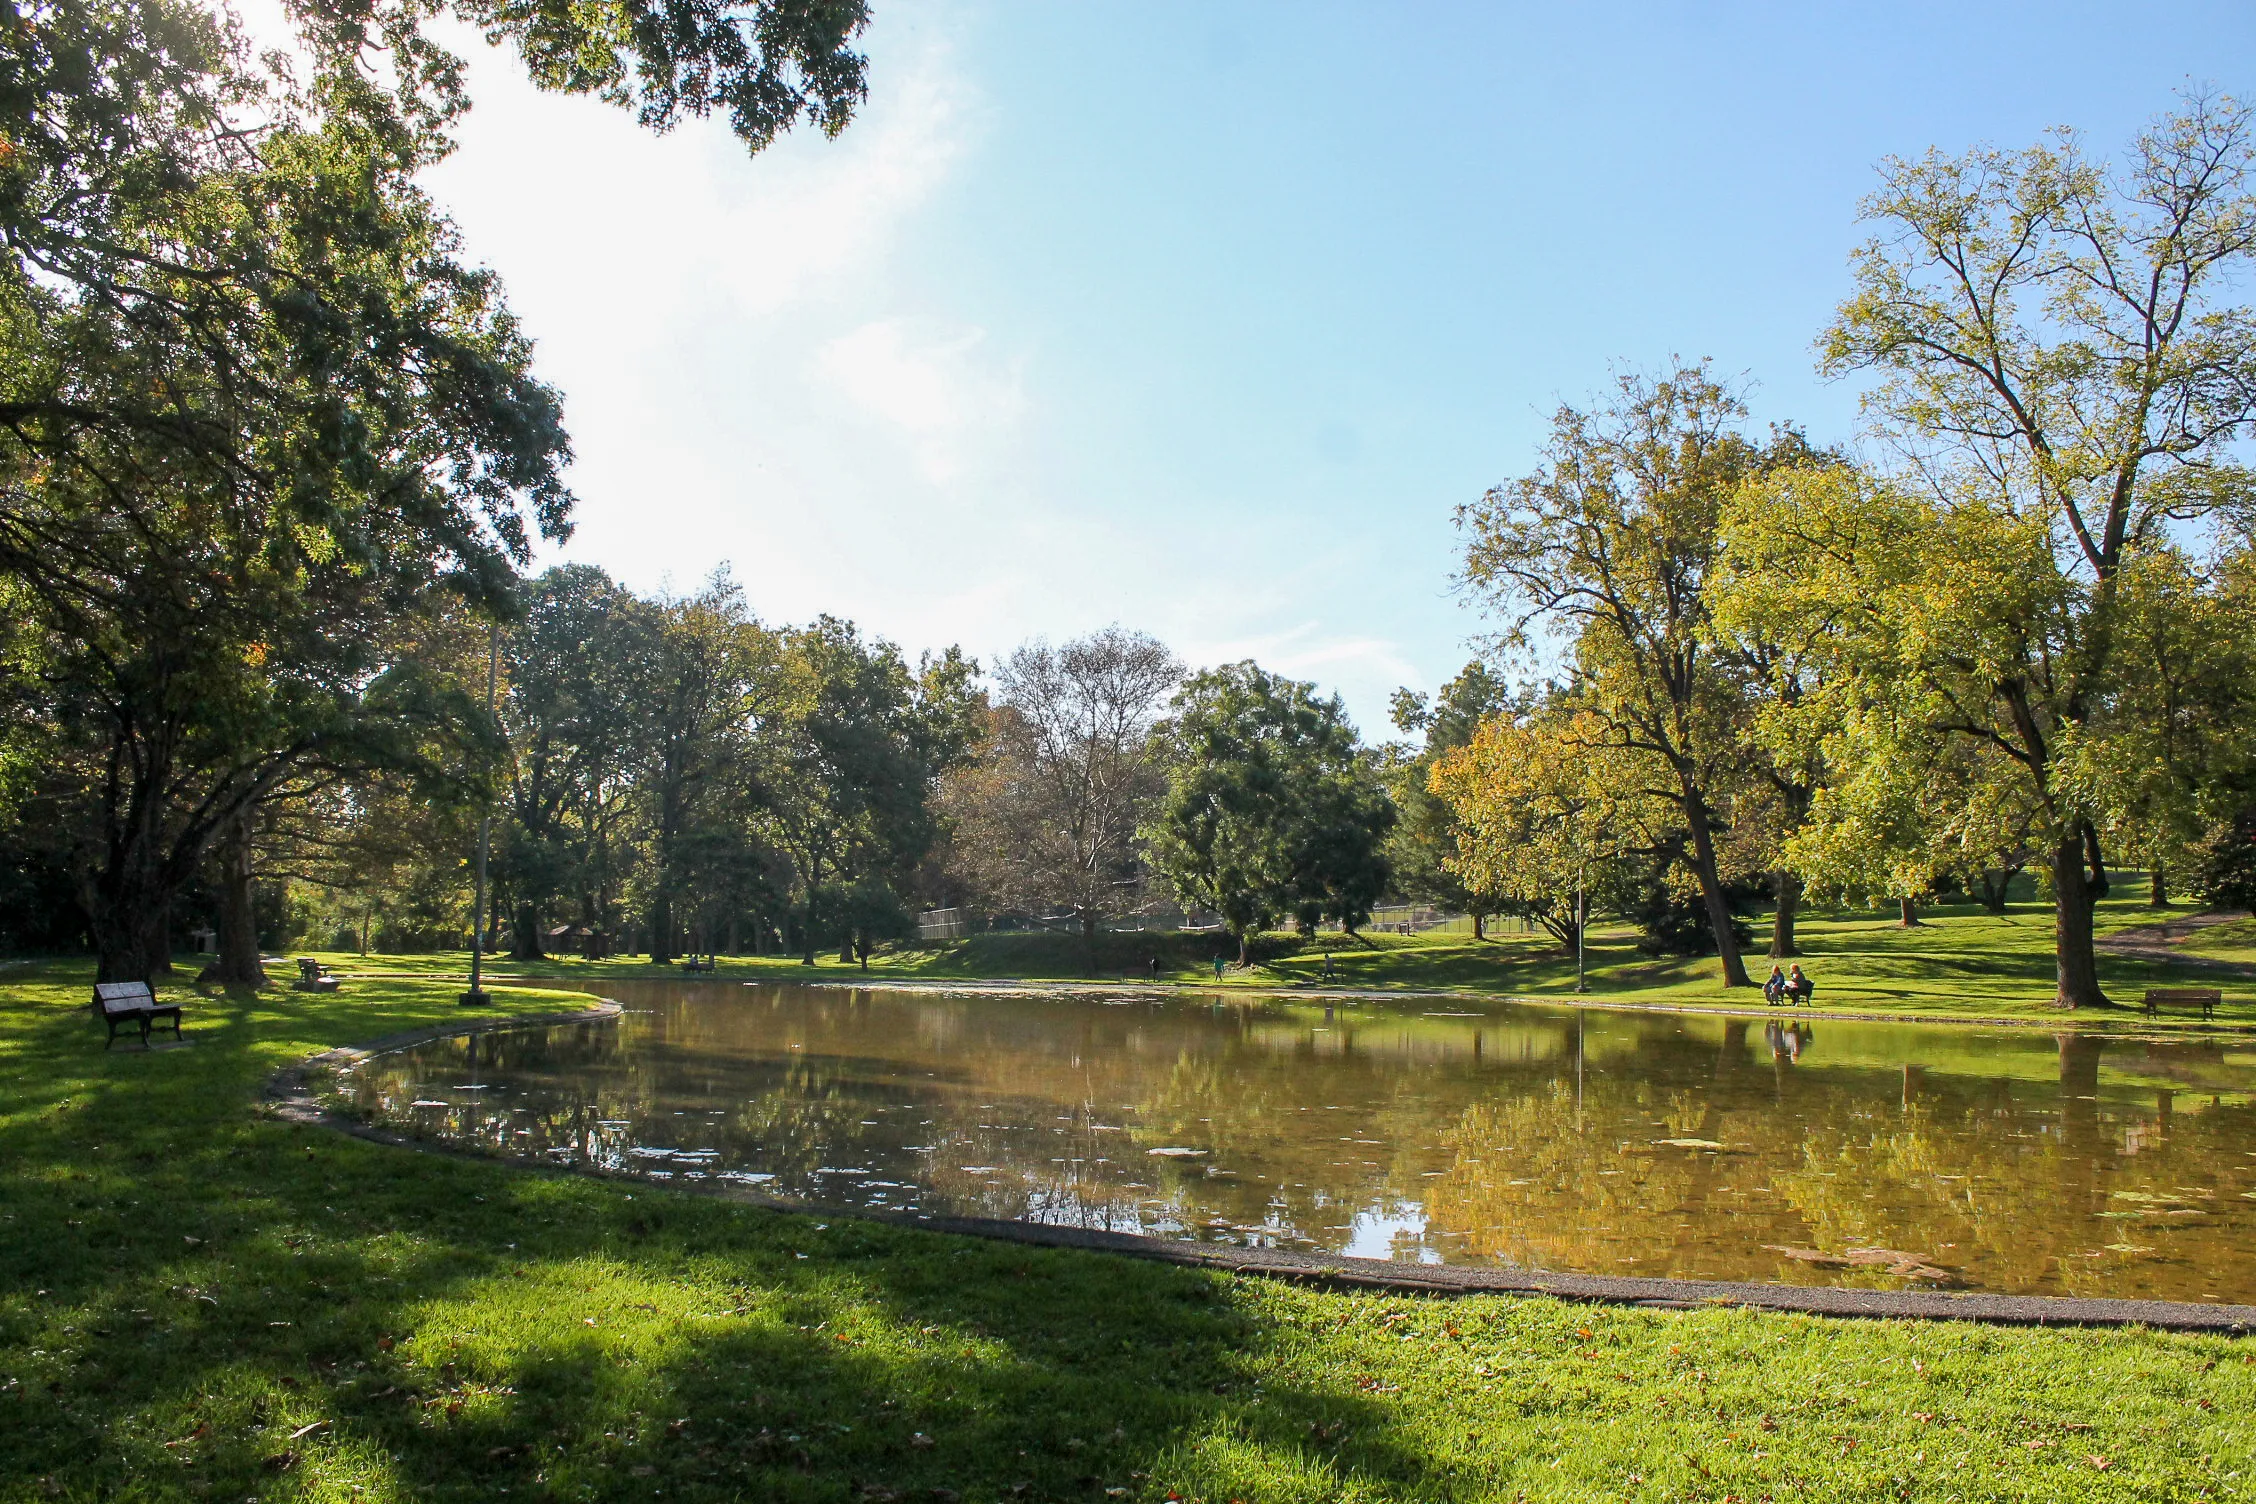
1245, 948
1480, 926
1786, 893
156, 943
1711, 892
238, 962
527, 941
2073, 896
1992, 885
2157, 889
1907, 913
661, 927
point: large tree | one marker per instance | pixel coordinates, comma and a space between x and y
847, 761
1047, 817
2066, 367
714, 674
251, 411
252, 408
1604, 552
1272, 807
577, 709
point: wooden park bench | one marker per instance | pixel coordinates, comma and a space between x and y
311, 978
131, 1004
2204, 998
697, 963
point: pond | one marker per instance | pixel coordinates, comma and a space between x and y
1879, 1155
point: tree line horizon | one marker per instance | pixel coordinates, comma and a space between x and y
273, 459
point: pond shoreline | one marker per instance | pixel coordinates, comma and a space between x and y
293, 1095
2121, 1023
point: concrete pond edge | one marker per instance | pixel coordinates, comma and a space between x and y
292, 1094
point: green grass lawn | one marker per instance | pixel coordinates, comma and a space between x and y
200, 1301
1960, 962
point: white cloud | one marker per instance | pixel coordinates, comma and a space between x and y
937, 386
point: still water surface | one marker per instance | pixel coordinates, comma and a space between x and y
1562, 1139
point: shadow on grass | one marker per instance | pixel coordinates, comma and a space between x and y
233, 1307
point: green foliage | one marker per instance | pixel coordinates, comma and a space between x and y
2062, 352
2228, 864
1422, 847
255, 415
1606, 549
1271, 807
850, 751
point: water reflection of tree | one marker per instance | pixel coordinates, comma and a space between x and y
1316, 1120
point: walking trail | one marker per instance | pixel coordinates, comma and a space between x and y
2160, 941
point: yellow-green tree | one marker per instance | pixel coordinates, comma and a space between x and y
1548, 810
2064, 371
1604, 552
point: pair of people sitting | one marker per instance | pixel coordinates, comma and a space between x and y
1794, 989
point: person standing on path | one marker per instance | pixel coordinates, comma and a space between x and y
1219, 963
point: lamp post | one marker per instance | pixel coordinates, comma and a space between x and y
477, 995
1582, 921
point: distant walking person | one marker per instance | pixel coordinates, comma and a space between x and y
1155, 968
1219, 963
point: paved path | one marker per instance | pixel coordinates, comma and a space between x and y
2159, 942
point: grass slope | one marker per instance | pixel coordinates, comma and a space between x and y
1960, 961
197, 1301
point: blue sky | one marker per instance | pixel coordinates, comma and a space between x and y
1203, 317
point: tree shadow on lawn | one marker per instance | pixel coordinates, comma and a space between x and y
214, 1284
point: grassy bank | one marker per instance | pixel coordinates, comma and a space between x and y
1959, 961
197, 1301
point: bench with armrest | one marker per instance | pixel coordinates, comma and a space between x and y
697, 963
123, 1005
311, 978
2204, 998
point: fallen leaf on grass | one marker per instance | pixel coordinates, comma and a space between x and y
303, 1432
281, 1462
2098, 1461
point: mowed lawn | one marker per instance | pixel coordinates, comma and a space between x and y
198, 1301
1958, 962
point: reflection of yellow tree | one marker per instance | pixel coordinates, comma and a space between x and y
1538, 1180
2022, 1185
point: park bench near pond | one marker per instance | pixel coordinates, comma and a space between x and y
2204, 998
697, 963
311, 978
131, 1004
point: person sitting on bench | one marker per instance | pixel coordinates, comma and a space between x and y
1800, 988
1774, 990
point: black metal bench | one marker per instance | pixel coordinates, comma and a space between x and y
2204, 998
311, 978
132, 1005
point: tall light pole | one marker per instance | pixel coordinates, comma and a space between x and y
477, 994
1582, 920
